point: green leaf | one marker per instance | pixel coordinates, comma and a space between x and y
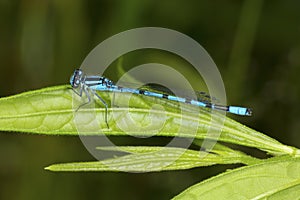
277, 178
225, 151
50, 111
150, 159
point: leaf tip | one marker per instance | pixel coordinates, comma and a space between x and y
49, 168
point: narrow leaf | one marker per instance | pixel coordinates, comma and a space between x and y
277, 178
150, 159
50, 111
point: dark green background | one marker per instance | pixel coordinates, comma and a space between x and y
255, 44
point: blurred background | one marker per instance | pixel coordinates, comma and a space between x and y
255, 44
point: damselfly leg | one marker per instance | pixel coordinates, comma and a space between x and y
86, 90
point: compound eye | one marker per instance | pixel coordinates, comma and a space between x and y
79, 71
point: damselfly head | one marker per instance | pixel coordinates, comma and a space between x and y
75, 79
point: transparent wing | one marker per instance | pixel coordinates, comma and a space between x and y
203, 96
196, 95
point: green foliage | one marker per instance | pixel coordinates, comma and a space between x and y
276, 178
56, 110
151, 159
50, 111
39, 47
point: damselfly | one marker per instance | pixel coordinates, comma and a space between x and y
85, 83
